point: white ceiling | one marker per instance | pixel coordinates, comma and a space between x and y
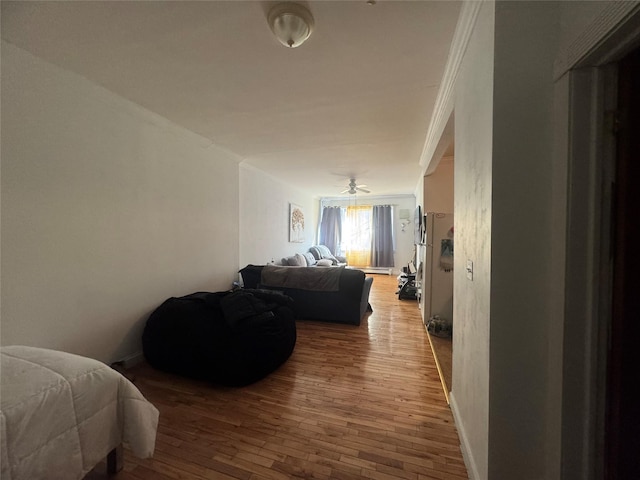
354, 100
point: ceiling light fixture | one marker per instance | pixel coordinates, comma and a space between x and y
291, 23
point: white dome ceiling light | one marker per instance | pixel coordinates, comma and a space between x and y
291, 23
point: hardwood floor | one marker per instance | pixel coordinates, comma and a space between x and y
351, 402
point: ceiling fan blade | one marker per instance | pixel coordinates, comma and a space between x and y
352, 187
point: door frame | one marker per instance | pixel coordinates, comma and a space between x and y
588, 92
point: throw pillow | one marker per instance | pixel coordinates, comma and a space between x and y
289, 261
324, 252
315, 252
311, 260
300, 260
324, 263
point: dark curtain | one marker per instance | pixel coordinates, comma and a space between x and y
382, 236
331, 229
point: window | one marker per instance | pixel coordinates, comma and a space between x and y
361, 233
356, 235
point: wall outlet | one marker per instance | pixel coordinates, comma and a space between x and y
470, 270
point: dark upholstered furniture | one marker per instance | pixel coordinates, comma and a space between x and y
229, 338
347, 304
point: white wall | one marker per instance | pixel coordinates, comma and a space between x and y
264, 218
439, 188
522, 239
503, 209
404, 252
472, 225
107, 210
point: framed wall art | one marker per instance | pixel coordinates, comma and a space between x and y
296, 223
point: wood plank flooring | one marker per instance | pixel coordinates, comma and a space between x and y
351, 402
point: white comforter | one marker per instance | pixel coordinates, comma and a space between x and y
61, 414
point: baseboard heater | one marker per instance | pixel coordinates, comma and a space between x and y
382, 270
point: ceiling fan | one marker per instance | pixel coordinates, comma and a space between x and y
352, 188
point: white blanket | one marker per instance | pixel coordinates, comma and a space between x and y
61, 414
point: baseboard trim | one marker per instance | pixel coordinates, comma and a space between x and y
132, 360
439, 367
472, 469
382, 270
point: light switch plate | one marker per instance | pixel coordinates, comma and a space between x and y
470, 270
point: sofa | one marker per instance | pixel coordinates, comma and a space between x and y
318, 255
333, 294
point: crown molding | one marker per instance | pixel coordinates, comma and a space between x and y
444, 101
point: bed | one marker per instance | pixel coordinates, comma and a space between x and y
61, 414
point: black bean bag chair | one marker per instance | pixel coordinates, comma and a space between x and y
229, 338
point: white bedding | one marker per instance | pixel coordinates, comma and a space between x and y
61, 414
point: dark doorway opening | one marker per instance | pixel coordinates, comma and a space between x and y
622, 421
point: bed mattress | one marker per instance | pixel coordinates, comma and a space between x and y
61, 414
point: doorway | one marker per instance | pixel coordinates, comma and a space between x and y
599, 418
622, 410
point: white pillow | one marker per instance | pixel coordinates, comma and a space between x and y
324, 263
